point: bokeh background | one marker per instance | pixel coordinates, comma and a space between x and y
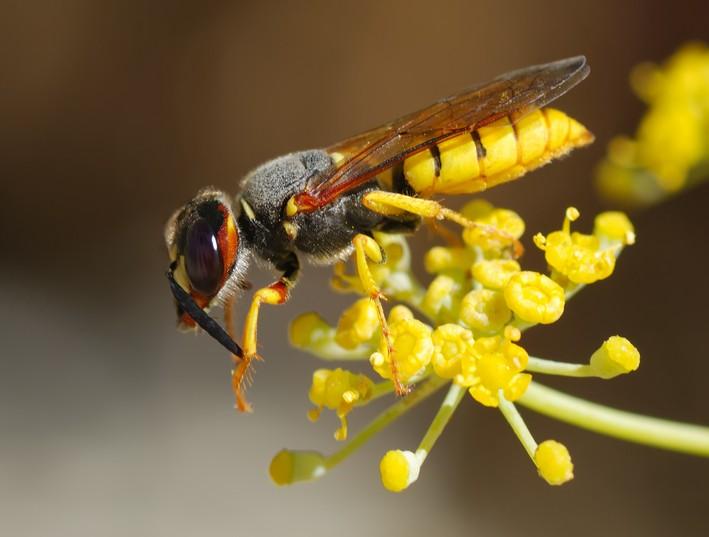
113, 113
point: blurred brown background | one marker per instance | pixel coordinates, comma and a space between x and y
114, 113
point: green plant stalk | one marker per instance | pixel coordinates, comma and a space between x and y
396, 410
656, 432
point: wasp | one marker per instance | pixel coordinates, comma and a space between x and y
323, 205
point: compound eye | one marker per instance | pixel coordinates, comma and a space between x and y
203, 261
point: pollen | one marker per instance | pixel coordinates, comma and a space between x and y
554, 462
534, 297
616, 356
358, 324
450, 343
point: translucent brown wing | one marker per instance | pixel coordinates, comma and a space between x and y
367, 154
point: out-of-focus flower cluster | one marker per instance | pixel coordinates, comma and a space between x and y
462, 330
670, 150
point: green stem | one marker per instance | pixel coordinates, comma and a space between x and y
509, 411
665, 434
396, 410
551, 367
450, 403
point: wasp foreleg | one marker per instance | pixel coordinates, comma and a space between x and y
276, 293
390, 203
366, 248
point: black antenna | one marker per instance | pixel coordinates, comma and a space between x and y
198, 315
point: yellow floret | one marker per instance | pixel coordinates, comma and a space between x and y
504, 221
306, 329
358, 324
554, 462
398, 469
450, 343
498, 365
440, 258
579, 257
495, 273
289, 467
534, 298
338, 390
614, 226
616, 356
485, 311
442, 298
412, 348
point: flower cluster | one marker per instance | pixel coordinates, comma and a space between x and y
670, 150
464, 330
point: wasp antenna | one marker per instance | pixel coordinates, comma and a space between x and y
207, 324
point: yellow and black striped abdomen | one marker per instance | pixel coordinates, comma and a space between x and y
496, 153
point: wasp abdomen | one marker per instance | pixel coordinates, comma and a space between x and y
501, 151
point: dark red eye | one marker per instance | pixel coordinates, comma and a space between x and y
203, 261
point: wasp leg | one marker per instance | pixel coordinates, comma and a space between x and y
389, 203
367, 248
276, 293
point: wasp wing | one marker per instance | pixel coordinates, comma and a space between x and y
364, 156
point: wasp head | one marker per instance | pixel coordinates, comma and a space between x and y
207, 261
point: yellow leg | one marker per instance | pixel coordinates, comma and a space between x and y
389, 203
276, 293
366, 248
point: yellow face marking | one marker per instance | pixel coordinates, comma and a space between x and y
459, 162
420, 171
500, 144
532, 135
248, 210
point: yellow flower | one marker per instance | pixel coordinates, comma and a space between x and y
358, 324
398, 469
576, 256
495, 273
497, 224
554, 462
495, 364
412, 348
614, 226
671, 147
442, 298
338, 390
485, 311
289, 467
440, 259
450, 343
306, 329
616, 356
534, 298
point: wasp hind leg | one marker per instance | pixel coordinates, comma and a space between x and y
391, 203
276, 293
367, 249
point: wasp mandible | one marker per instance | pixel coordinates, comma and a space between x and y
323, 205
